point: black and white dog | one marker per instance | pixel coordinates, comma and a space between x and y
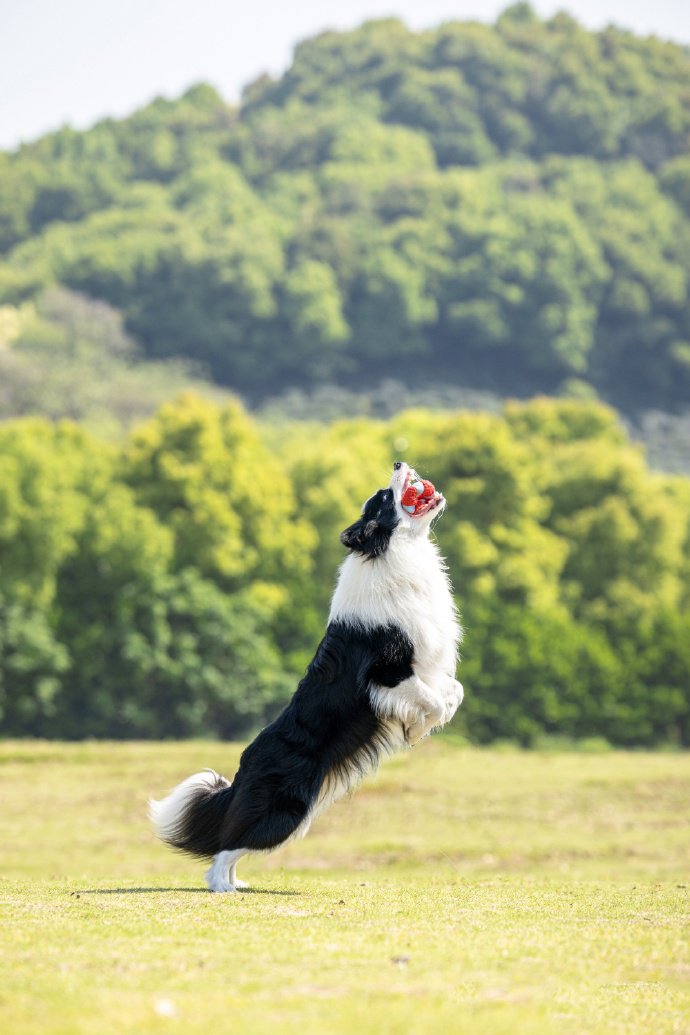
383, 676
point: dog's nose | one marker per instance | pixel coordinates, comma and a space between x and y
397, 465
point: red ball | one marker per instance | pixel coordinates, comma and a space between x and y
409, 497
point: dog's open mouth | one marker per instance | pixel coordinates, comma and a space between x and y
419, 496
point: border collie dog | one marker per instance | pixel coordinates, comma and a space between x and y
383, 676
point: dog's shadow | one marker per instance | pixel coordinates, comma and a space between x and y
167, 891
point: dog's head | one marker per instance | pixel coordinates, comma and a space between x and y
406, 503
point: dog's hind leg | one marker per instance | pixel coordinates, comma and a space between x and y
221, 874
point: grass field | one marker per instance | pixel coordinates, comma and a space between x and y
488, 892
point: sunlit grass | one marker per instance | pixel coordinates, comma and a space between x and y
482, 891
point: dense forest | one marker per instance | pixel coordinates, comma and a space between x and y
176, 584
499, 207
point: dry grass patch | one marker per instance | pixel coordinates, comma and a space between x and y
484, 891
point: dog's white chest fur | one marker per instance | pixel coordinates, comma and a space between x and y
407, 587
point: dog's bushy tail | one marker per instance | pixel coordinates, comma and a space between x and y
191, 816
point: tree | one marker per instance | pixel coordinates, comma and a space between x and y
155, 653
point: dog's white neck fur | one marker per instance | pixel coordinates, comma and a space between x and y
406, 586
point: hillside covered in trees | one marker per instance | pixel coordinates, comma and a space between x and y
501, 207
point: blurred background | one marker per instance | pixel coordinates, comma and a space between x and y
248, 258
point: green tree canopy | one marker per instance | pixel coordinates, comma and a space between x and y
502, 206
178, 584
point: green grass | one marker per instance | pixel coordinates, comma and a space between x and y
486, 892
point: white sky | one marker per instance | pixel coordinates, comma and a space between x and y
75, 61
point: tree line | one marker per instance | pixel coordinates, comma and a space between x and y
176, 584
502, 206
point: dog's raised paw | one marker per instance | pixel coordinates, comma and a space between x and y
414, 732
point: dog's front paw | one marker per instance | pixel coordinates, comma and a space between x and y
453, 700
423, 724
415, 731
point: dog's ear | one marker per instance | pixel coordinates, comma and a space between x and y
355, 537
367, 537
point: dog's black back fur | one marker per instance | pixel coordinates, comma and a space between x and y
328, 732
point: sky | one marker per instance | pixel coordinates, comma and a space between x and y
76, 61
